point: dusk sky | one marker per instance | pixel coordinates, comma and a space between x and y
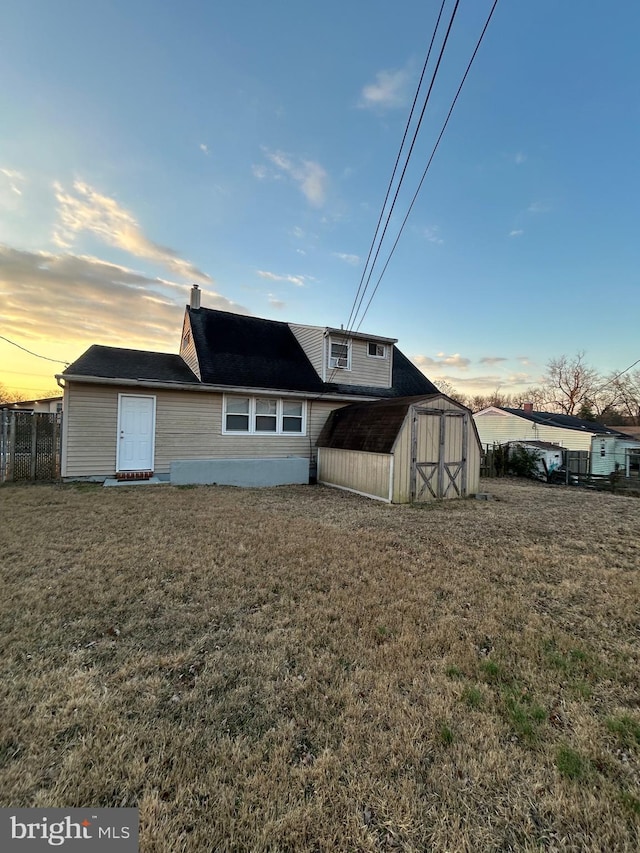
246, 146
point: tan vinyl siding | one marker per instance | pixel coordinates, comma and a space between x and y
91, 423
311, 339
500, 428
402, 464
365, 370
188, 426
187, 347
367, 473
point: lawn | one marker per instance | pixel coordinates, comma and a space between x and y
301, 669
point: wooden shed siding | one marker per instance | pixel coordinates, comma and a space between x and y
188, 426
188, 351
311, 339
367, 473
498, 429
428, 441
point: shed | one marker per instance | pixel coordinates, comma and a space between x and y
402, 450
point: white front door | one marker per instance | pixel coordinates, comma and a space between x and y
136, 432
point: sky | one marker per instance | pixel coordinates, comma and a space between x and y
247, 147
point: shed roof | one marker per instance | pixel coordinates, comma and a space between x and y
371, 427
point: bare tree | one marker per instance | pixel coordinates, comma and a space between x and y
7, 396
570, 383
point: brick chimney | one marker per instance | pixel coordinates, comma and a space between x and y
195, 297
528, 407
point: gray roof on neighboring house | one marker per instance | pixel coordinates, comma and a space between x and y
563, 421
117, 363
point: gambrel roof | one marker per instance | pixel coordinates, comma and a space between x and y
239, 351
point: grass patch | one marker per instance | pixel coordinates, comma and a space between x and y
571, 764
473, 697
626, 730
266, 669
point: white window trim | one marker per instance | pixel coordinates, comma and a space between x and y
377, 344
339, 342
279, 431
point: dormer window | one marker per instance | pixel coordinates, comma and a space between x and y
340, 355
376, 350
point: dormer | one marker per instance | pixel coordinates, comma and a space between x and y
347, 358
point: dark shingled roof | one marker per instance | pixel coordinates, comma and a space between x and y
116, 363
565, 421
234, 349
249, 352
370, 427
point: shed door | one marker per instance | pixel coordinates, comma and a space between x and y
439, 454
136, 430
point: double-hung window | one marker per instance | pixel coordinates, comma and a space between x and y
376, 350
263, 416
340, 355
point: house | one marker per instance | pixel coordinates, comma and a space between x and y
401, 450
241, 390
498, 425
44, 405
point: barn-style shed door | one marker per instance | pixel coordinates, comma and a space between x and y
438, 453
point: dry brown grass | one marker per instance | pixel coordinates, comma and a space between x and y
302, 669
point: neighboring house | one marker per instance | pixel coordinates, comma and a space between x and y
608, 446
240, 388
46, 405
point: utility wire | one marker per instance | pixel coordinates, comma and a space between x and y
46, 358
435, 148
407, 159
395, 167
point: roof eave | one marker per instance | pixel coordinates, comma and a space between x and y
222, 389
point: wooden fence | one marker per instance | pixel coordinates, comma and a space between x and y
30, 446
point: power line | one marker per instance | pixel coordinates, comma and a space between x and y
435, 148
24, 349
407, 159
395, 167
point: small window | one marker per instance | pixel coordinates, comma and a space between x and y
266, 415
339, 355
376, 350
237, 419
291, 417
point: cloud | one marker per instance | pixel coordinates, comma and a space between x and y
352, 260
278, 304
204, 148
517, 232
432, 234
388, 92
539, 207
456, 361
260, 171
13, 179
81, 299
297, 232
85, 209
520, 158
298, 280
310, 177
492, 359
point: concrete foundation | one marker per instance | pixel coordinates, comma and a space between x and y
240, 472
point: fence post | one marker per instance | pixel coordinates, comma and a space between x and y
34, 446
11, 454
